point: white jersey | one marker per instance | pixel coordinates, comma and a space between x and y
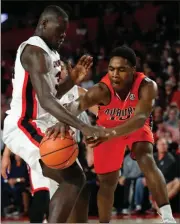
25, 103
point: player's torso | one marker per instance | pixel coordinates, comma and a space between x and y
119, 111
24, 99
67, 98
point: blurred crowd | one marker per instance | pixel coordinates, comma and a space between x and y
158, 56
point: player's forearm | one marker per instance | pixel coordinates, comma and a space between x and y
64, 87
7, 152
132, 125
61, 114
78, 106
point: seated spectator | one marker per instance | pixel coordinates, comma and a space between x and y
168, 166
173, 118
169, 92
15, 188
157, 115
172, 146
176, 96
162, 128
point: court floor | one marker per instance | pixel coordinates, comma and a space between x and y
115, 219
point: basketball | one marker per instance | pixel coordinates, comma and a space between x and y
58, 153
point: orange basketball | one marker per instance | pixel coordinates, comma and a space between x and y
58, 153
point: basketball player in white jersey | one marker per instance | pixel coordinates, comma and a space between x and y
35, 86
40, 185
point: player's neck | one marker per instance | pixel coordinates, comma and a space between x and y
122, 93
39, 34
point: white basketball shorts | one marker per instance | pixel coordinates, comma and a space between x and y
23, 138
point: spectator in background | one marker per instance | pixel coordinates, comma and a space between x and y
168, 92
173, 118
157, 114
176, 96
172, 145
148, 71
130, 173
15, 188
168, 166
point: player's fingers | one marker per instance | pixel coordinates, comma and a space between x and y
47, 130
94, 144
89, 66
91, 140
87, 60
71, 132
50, 132
67, 128
81, 60
56, 133
63, 132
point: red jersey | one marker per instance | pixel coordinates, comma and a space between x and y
119, 111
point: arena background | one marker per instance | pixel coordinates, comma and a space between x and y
152, 29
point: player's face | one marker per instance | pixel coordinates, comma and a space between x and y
57, 31
120, 72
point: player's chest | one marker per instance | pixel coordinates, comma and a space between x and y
119, 110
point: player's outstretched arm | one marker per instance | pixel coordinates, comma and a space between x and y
97, 94
37, 63
147, 95
75, 76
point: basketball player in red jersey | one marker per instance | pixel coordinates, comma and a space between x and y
125, 98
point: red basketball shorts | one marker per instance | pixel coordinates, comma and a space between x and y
109, 156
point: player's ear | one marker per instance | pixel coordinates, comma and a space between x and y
44, 23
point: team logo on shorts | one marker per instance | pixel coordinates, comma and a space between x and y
70, 96
132, 96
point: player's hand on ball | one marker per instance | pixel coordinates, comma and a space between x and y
81, 69
55, 130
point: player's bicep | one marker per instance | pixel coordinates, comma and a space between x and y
147, 96
37, 63
94, 96
93, 109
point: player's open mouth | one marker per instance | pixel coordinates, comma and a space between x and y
115, 81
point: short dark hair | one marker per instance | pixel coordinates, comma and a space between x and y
124, 52
54, 10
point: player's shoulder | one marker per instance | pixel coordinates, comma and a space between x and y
103, 88
148, 89
148, 83
32, 49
